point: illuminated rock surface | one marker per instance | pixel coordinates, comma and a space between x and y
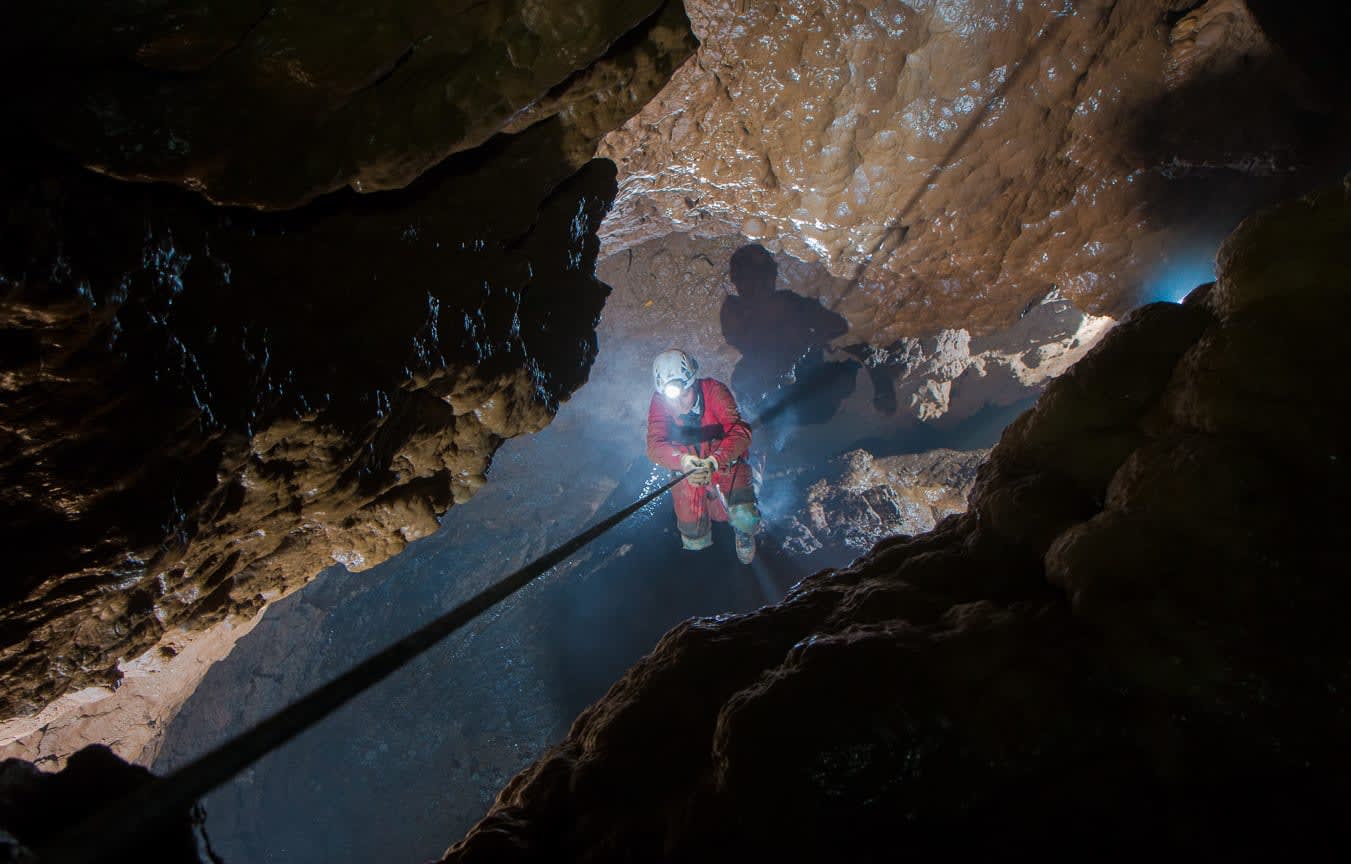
874, 499
963, 158
1134, 638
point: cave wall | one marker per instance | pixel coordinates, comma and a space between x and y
1132, 641
204, 406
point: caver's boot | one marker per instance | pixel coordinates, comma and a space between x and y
745, 519
694, 544
745, 546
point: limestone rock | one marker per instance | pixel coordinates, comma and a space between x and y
680, 284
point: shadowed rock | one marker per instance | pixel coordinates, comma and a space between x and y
269, 103
37, 809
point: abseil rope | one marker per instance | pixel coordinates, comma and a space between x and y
111, 830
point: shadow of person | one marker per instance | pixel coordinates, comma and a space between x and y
782, 337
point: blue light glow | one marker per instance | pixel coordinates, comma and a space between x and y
1180, 274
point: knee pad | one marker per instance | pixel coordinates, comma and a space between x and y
744, 517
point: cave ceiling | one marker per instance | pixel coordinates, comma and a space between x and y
955, 161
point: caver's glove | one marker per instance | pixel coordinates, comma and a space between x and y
701, 475
707, 466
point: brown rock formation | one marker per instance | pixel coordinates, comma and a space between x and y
201, 408
874, 499
1134, 638
961, 159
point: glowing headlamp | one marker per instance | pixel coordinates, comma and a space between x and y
672, 390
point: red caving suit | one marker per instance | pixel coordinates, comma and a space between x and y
713, 427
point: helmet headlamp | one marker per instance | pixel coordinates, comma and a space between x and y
673, 372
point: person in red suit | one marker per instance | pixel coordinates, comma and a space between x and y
693, 425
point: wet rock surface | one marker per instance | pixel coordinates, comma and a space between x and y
203, 407
1132, 639
769, 328
958, 160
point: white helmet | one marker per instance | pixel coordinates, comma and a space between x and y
673, 371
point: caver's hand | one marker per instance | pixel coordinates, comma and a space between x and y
690, 463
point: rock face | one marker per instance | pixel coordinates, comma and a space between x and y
367, 97
958, 160
875, 499
200, 407
1133, 638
